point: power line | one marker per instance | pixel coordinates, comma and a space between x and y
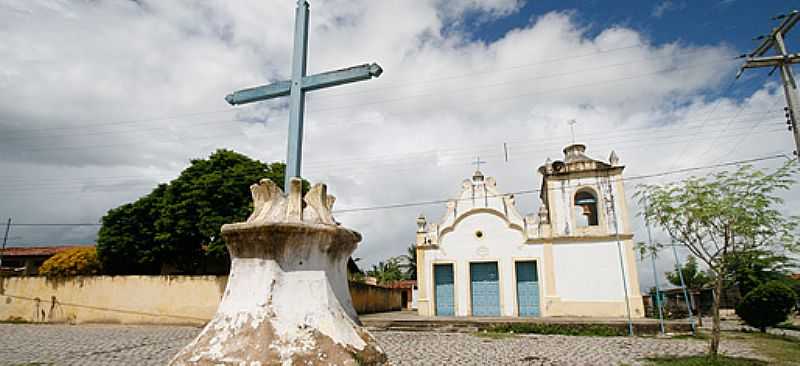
520, 192
530, 191
112, 182
490, 100
231, 110
487, 71
385, 101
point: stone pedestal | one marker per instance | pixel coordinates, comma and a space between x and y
287, 300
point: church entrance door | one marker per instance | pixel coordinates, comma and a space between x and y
527, 288
485, 289
443, 289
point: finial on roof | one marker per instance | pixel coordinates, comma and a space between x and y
613, 158
421, 222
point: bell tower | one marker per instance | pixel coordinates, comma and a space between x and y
584, 196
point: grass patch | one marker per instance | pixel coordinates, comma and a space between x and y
781, 349
592, 330
493, 335
700, 335
788, 326
704, 361
14, 320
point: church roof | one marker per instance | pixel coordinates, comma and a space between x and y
576, 160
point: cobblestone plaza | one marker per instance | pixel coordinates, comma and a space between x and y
29, 344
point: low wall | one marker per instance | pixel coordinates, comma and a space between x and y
190, 300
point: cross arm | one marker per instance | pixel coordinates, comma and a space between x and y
264, 92
775, 61
772, 61
341, 76
787, 24
310, 82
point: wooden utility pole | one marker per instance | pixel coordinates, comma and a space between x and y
782, 60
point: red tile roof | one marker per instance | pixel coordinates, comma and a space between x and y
38, 251
401, 284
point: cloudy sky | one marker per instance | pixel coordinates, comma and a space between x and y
102, 100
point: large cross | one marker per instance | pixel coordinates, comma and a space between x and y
297, 87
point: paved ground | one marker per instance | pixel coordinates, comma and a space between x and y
151, 345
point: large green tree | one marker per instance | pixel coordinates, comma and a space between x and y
757, 267
177, 225
723, 216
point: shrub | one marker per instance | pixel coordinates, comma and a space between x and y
596, 330
767, 305
72, 262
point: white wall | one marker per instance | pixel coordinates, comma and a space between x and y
589, 272
499, 243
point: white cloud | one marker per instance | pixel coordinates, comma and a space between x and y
85, 85
666, 6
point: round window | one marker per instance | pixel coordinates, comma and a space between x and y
479, 234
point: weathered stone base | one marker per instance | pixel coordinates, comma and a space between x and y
256, 343
286, 301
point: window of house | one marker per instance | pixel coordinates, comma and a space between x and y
585, 209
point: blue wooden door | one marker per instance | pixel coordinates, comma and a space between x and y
485, 289
527, 289
443, 289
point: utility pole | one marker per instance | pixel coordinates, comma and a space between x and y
5, 239
657, 298
782, 60
686, 297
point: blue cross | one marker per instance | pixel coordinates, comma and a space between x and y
297, 87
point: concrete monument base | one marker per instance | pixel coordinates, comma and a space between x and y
287, 300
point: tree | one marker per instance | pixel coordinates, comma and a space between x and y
721, 217
177, 225
694, 278
386, 272
409, 263
757, 267
767, 305
81, 261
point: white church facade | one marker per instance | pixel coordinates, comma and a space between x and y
575, 257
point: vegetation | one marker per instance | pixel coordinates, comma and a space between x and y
493, 335
177, 225
754, 268
694, 278
72, 262
595, 330
723, 216
704, 361
408, 263
781, 350
767, 305
387, 272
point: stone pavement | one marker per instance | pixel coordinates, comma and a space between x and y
89, 345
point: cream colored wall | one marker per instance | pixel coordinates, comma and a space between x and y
190, 300
115, 299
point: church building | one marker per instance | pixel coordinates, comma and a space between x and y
574, 257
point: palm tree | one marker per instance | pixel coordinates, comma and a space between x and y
386, 272
409, 263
